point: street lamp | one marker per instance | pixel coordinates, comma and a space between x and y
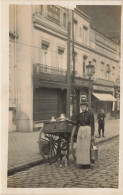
90, 72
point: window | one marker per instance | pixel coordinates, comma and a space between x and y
64, 20
102, 69
41, 10
113, 73
102, 66
94, 63
113, 70
45, 57
60, 57
53, 13
85, 35
75, 28
108, 70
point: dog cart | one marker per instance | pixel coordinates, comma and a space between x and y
54, 138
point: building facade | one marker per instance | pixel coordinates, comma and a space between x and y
38, 64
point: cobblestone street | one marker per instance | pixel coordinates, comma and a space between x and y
103, 174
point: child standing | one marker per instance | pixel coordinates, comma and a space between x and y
101, 122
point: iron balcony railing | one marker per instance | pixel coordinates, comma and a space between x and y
41, 68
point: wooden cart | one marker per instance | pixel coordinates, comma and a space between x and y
55, 137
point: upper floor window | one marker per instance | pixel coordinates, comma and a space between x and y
53, 13
113, 70
80, 32
85, 35
108, 70
45, 57
102, 66
75, 28
94, 63
41, 10
64, 20
60, 57
45, 45
102, 69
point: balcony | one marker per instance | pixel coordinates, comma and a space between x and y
49, 74
40, 68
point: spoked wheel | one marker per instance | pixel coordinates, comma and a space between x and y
73, 141
49, 146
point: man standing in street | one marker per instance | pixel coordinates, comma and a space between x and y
101, 122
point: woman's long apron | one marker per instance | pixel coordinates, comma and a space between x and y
83, 145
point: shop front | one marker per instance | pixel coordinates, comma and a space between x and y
48, 102
82, 88
103, 98
49, 96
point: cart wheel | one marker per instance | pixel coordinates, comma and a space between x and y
49, 146
73, 141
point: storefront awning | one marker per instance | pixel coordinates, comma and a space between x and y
104, 97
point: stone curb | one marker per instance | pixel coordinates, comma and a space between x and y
105, 139
39, 162
25, 166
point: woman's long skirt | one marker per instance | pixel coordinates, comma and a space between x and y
83, 145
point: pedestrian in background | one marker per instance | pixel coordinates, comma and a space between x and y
85, 136
101, 122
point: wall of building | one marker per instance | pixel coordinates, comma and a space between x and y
12, 69
34, 28
54, 43
81, 29
21, 22
24, 61
46, 30
106, 52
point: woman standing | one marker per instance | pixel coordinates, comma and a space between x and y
85, 136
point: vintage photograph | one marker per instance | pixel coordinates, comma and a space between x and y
64, 96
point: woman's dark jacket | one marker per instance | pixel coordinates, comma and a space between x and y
86, 118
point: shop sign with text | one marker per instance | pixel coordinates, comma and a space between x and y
102, 88
80, 83
104, 82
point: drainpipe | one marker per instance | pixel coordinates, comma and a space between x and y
73, 75
68, 67
15, 63
73, 52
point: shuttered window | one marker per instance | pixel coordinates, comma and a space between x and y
46, 103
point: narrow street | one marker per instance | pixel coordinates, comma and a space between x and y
103, 174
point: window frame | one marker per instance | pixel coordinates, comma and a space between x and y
45, 48
85, 35
64, 20
60, 54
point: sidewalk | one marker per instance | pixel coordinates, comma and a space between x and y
23, 147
